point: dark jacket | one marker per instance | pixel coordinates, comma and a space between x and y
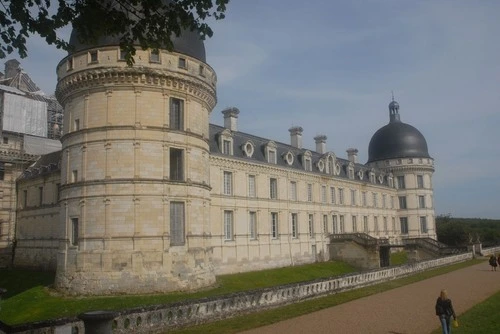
444, 308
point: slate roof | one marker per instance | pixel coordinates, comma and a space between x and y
46, 164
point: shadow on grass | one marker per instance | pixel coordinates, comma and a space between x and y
17, 281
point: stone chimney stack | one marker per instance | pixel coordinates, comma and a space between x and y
231, 118
352, 155
320, 143
296, 136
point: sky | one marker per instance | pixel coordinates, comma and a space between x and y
331, 67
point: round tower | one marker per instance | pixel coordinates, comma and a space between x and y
401, 149
135, 168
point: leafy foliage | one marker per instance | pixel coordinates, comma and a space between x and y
147, 23
460, 231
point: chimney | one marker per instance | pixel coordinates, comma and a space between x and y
296, 136
352, 155
231, 118
11, 68
320, 143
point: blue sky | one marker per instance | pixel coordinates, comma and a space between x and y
330, 66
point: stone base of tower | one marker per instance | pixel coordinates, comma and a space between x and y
106, 273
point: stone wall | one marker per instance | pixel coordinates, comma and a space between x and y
158, 318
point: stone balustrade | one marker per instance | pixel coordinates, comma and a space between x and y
166, 317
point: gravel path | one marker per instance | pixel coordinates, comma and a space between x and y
408, 309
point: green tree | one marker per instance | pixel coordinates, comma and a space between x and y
144, 23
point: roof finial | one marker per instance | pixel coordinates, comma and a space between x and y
392, 92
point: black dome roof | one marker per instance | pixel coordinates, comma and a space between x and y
397, 140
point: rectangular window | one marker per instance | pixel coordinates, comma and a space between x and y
392, 202
251, 186
74, 231
122, 55
385, 224
228, 183
25, 199
365, 224
272, 156
177, 224
375, 223
295, 226
2, 170
375, 202
323, 194
341, 196
311, 226
365, 201
274, 225
176, 114
423, 224
273, 188
40, 196
226, 147
309, 192
403, 221
201, 70
354, 224
70, 64
76, 125
332, 194
252, 225
353, 197
93, 57
341, 224
325, 224
74, 176
176, 164
5, 140
402, 202
228, 225
335, 224
421, 202
384, 201
394, 224
401, 182
154, 56
308, 164
293, 191
182, 63
420, 181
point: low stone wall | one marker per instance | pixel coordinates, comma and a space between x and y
160, 318
490, 251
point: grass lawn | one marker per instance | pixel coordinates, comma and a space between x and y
484, 318
30, 297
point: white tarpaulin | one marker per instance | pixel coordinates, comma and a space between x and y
39, 146
24, 115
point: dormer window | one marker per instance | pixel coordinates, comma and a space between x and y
248, 149
289, 158
321, 165
307, 161
337, 169
93, 57
330, 164
226, 142
182, 63
361, 174
372, 177
271, 152
350, 170
381, 179
390, 180
154, 56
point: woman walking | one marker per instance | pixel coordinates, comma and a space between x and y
444, 310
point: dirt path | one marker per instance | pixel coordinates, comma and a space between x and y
408, 309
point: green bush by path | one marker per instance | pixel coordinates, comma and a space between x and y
484, 318
31, 299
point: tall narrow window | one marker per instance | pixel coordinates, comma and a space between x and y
274, 225
228, 183
323, 194
40, 196
385, 224
365, 224
251, 186
76, 125
228, 225
74, 176
308, 164
295, 226
403, 221
252, 225
375, 202
226, 147
74, 231
273, 188
293, 190
420, 181
332, 195
335, 224
341, 196
402, 202
176, 114
309, 192
177, 224
354, 224
311, 226
384, 201
342, 229
363, 195
271, 156
353, 197
423, 224
325, 224
93, 57
393, 224
375, 223
401, 182
2, 170
176, 164
421, 202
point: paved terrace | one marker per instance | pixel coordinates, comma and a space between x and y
408, 309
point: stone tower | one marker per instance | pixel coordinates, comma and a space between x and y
401, 149
134, 190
